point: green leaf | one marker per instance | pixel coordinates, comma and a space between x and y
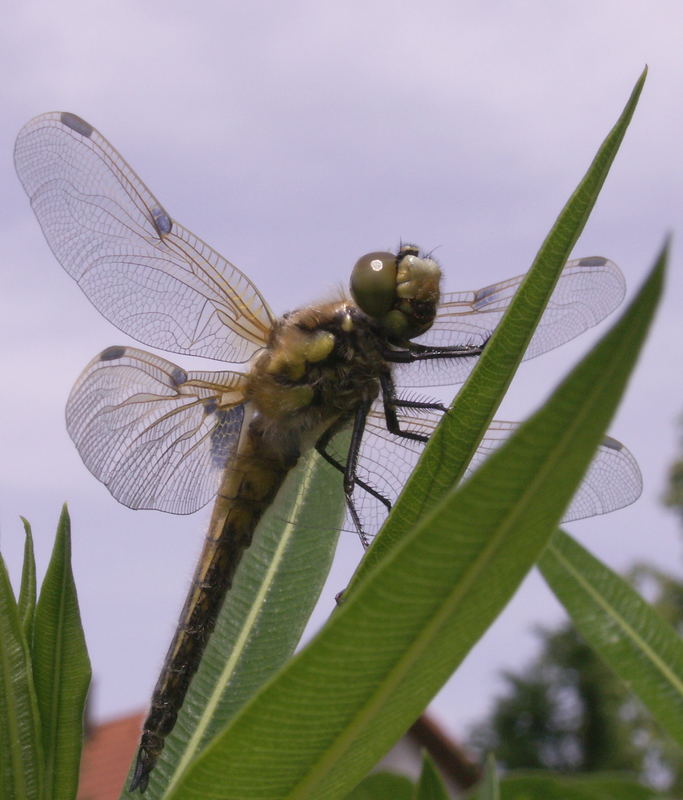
552, 786
21, 755
451, 448
27, 592
61, 669
430, 786
625, 631
338, 706
276, 587
383, 786
488, 788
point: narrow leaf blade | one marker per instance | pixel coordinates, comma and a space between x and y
623, 629
489, 788
430, 786
61, 669
21, 755
27, 591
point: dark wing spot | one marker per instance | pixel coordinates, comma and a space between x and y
162, 222
210, 405
592, 261
481, 295
76, 124
112, 353
178, 376
613, 444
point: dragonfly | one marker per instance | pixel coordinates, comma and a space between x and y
160, 437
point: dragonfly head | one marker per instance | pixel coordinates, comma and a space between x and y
399, 291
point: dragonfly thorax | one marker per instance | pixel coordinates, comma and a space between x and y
399, 291
321, 362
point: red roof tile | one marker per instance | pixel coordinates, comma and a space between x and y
107, 754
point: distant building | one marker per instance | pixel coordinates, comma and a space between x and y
107, 754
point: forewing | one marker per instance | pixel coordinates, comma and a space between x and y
385, 462
155, 435
142, 270
587, 290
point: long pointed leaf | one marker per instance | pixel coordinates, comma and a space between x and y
628, 633
61, 669
21, 754
27, 592
489, 789
451, 449
430, 786
318, 726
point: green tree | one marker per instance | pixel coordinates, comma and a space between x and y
561, 713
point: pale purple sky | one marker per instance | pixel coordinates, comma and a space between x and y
294, 137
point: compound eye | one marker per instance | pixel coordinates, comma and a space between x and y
373, 283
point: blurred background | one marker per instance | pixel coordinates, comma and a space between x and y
294, 137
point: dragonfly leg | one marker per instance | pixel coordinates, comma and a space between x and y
351, 479
451, 351
349, 470
400, 403
419, 352
350, 476
321, 446
392, 402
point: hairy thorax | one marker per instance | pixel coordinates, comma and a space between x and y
320, 364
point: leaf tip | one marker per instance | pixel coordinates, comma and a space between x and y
662, 258
64, 524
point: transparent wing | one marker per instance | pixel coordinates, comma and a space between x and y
613, 479
142, 270
587, 290
385, 462
155, 435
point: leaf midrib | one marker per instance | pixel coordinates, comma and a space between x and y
631, 632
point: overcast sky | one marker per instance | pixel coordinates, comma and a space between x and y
294, 137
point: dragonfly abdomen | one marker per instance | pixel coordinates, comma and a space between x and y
249, 486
